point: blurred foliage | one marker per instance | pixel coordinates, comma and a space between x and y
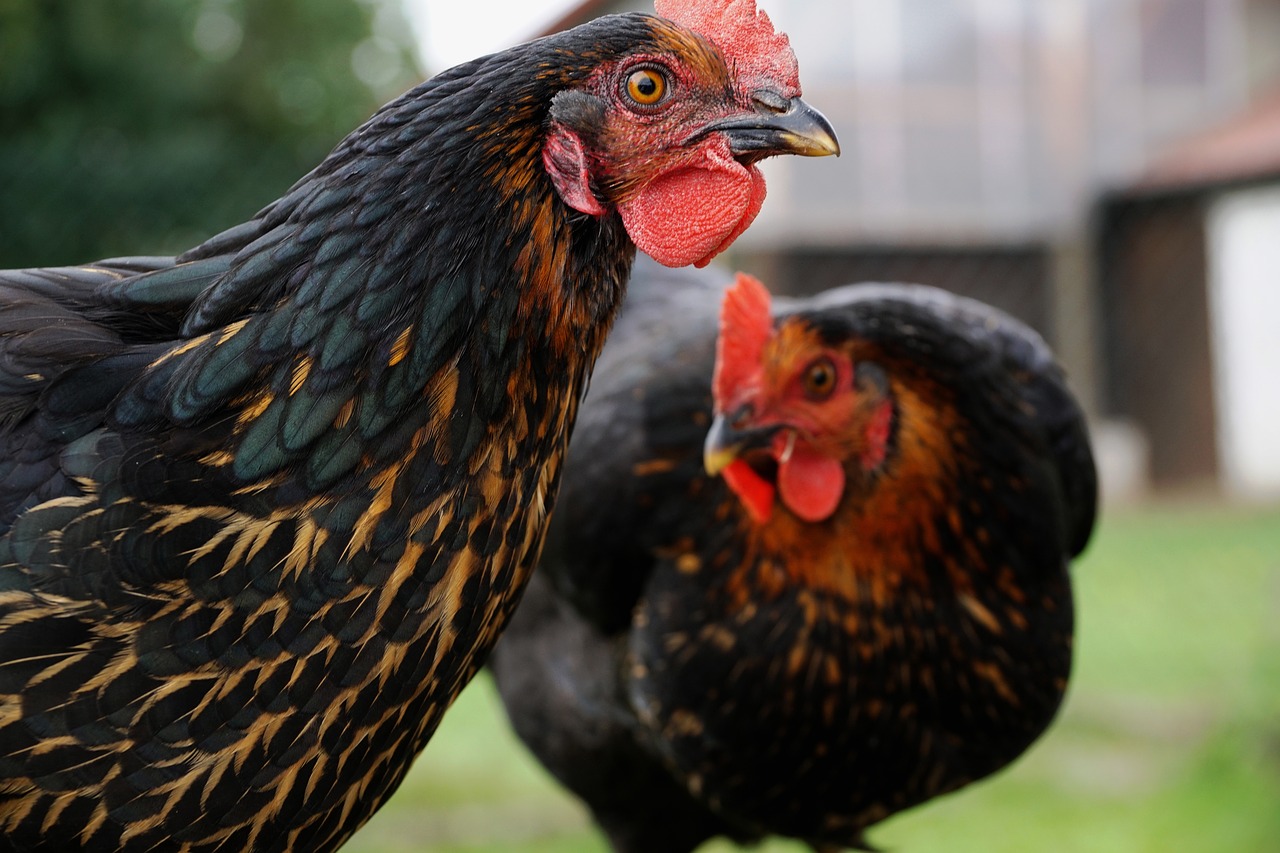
145, 126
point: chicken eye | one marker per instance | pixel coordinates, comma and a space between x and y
646, 86
820, 379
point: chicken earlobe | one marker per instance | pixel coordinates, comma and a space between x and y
565, 157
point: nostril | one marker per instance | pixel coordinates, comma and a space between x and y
769, 102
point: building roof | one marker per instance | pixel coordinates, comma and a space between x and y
1244, 148
577, 14
973, 127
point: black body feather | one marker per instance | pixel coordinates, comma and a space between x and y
688, 673
265, 506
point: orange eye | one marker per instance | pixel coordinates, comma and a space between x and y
646, 86
820, 379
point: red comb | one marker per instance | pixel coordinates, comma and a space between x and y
745, 327
760, 55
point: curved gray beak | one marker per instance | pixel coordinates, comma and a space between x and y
725, 442
797, 129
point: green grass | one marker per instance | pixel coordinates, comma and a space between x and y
1170, 739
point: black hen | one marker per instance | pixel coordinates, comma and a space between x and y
881, 614
266, 506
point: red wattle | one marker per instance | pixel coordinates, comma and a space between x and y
754, 491
754, 203
690, 215
810, 484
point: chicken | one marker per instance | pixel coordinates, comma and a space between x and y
266, 506
870, 608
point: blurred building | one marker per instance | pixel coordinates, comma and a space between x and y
987, 146
1190, 266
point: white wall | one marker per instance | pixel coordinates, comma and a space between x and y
1244, 290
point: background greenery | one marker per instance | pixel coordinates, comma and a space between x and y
144, 126
1170, 739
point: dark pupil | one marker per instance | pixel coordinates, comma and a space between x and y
645, 84
820, 378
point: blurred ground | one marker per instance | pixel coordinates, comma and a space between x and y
1170, 740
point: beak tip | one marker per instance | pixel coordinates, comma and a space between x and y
717, 452
716, 461
813, 134
800, 129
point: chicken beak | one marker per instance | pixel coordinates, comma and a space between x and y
726, 442
796, 128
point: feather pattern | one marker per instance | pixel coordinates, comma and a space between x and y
271, 502
690, 672
267, 504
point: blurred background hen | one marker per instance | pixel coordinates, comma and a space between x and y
870, 607
266, 505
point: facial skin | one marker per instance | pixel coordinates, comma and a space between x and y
794, 413
670, 139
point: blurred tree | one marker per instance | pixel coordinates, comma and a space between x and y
144, 126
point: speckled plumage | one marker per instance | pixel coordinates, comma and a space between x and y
266, 506
689, 672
